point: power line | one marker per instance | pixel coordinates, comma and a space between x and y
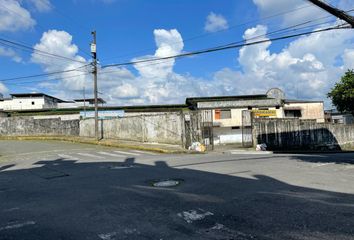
44, 74
249, 22
73, 21
44, 29
223, 30
157, 61
220, 48
162, 60
285, 30
167, 59
44, 80
44, 53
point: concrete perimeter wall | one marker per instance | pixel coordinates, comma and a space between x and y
155, 128
287, 134
28, 126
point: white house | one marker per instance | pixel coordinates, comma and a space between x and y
29, 101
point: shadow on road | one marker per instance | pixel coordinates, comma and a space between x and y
64, 199
335, 158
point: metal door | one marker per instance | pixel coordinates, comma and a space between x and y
247, 138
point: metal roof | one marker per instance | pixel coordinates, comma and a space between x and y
22, 95
225, 98
301, 101
90, 100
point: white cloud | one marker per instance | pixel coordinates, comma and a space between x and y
3, 89
168, 43
14, 17
348, 59
41, 5
215, 22
8, 52
126, 90
297, 11
60, 43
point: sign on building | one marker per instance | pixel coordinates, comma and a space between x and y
102, 114
264, 113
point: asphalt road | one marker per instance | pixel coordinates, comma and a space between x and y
58, 190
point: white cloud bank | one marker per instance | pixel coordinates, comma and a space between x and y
295, 10
13, 17
215, 22
41, 5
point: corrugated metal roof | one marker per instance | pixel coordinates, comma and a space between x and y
19, 95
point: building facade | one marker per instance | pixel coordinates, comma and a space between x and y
29, 101
231, 115
333, 116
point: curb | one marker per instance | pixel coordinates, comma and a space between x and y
107, 143
248, 152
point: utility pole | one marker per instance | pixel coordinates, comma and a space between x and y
335, 11
84, 102
94, 62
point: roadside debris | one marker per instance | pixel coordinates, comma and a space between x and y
261, 147
166, 183
197, 146
194, 215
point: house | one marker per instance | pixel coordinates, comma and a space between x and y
231, 115
333, 116
29, 101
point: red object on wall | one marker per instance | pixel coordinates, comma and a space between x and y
217, 114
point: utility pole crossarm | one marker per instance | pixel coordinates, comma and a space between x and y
335, 11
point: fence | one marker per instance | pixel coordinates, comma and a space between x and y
159, 128
28, 126
287, 134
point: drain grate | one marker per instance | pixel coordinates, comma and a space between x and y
166, 182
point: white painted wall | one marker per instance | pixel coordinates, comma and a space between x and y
227, 135
27, 103
65, 117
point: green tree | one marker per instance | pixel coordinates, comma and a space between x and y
342, 95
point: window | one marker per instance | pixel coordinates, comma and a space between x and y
225, 114
293, 113
32, 103
222, 114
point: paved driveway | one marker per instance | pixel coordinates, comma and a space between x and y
58, 190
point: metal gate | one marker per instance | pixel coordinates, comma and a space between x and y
207, 129
199, 128
247, 138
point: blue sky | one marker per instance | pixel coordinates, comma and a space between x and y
306, 67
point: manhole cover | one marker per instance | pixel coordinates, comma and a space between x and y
166, 182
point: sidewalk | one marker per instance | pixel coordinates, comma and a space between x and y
154, 147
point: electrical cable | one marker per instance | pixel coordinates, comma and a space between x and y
223, 30
44, 74
220, 48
